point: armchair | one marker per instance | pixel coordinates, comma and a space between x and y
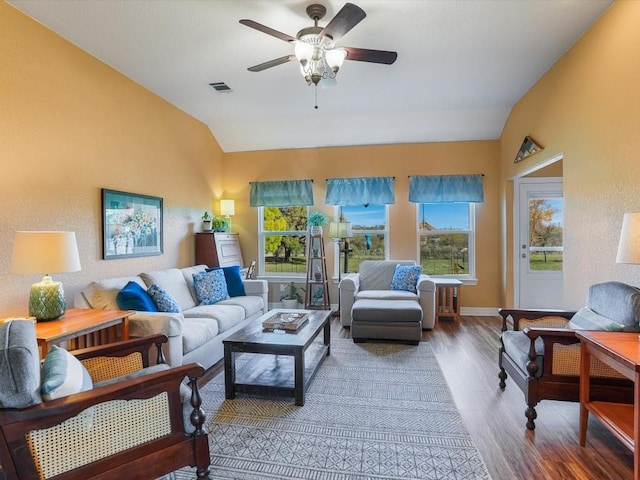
136, 421
539, 349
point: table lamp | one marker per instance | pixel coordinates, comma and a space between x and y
228, 208
45, 253
629, 245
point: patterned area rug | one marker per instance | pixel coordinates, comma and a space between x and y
373, 411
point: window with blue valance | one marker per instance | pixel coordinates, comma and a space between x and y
360, 191
283, 193
446, 188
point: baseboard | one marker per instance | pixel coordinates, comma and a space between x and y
479, 311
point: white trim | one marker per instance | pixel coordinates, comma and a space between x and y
479, 311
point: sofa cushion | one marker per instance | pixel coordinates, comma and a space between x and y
63, 375
386, 295
405, 277
380, 311
210, 287
197, 332
163, 300
134, 297
188, 273
516, 345
19, 365
587, 319
226, 315
102, 294
252, 304
618, 301
173, 281
377, 274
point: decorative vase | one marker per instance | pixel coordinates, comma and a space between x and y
290, 304
316, 230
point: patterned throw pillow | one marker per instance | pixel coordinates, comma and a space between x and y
162, 299
63, 374
406, 277
211, 287
233, 277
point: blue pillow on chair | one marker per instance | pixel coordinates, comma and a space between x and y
233, 277
406, 277
134, 297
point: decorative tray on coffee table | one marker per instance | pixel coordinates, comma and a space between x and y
288, 321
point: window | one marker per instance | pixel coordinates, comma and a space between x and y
282, 235
370, 235
447, 241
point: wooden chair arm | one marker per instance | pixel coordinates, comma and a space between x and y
529, 314
141, 345
550, 337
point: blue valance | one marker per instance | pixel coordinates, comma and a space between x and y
285, 193
360, 191
446, 188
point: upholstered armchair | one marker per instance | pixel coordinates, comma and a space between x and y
539, 349
383, 310
101, 413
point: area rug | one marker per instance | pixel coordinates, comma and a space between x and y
373, 411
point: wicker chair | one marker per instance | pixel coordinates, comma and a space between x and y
128, 427
539, 349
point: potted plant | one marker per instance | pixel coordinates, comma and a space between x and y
219, 224
292, 297
206, 222
315, 222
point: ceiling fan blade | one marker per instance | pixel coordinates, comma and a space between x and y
271, 63
347, 18
267, 30
373, 56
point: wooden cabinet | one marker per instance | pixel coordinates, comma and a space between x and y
218, 249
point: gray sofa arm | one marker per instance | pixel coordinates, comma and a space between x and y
258, 288
427, 297
142, 324
348, 287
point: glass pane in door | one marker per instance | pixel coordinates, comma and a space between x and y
545, 233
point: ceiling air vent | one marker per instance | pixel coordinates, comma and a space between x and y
221, 87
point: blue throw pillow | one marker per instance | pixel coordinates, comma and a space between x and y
134, 297
63, 374
163, 300
406, 277
210, 286
233, 277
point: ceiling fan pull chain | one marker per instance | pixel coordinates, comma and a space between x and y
316, 89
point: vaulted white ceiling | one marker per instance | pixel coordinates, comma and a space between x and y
462, 64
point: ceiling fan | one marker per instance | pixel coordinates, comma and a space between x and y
315, 48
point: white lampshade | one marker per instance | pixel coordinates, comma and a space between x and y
335, 58
340, 230
303, 52
227, 207
629, 245
38, 253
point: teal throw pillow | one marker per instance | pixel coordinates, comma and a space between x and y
233, 277
63, 374
163, 300
406, 277
211, 287
134, 297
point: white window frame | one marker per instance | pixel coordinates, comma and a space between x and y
468, 278
262, 233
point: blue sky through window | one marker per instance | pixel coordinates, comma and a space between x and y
365, 218
445, 216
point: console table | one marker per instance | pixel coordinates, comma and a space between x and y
83, 327
620, 351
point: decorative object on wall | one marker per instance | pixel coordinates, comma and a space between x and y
228, 209
528, 148
131, 225
340, 232
629, 245
37, 253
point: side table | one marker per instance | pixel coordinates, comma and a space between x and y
83, 327
447, 297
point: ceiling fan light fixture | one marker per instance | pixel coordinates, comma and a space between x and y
335, 58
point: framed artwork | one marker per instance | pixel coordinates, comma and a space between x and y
131, 225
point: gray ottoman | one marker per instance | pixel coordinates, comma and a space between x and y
386, 320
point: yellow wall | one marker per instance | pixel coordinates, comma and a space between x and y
585, 108
390, 160
70, 125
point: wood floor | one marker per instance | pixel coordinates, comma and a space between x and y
467, 352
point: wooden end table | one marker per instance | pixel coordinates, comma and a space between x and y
620, 351
83, 327
447, 297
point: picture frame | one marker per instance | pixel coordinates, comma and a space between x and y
132, 225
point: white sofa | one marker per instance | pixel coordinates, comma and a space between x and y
196, 333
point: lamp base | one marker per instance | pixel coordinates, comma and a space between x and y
46, 300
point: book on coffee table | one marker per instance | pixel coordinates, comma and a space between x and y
288, 321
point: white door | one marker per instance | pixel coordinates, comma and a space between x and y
539, 242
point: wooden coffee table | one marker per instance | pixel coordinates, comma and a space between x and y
285, 362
